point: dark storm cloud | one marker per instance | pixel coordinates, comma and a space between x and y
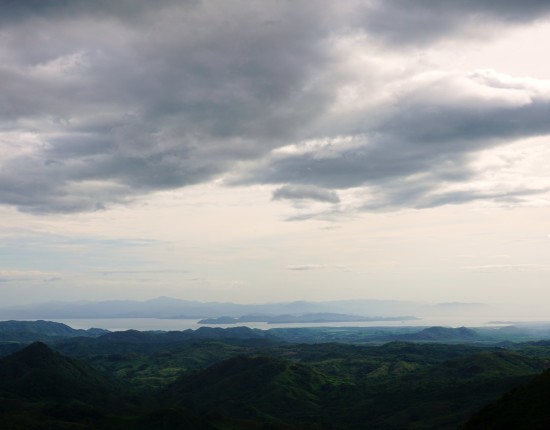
123, 106
103, 101
16, 10
401, 22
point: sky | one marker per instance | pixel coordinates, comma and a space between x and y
279, 150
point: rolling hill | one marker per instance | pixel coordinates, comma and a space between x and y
526, 407
37, 372
255, 387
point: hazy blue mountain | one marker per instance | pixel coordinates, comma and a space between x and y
25, 331
455, 308
166, 307
442, 334
318, 317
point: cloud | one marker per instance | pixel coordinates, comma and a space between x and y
307, 192
423, 144
429, 20
107, 101
509, 268
139, 272
308, 267
305, 267
120, 106
10, 276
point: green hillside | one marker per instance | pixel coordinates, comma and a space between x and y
216, 379
256, 387
441, 395
37, 372
526, 407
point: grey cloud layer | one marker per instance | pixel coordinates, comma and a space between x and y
307, 192
121, 109
404, 23
417, 148
101, 104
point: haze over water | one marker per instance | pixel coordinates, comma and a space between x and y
118, 324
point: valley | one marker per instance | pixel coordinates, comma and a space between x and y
242, 378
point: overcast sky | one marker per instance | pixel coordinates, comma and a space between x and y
255, 151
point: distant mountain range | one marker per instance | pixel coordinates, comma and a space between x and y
319, 317
15, 334
27, 331
167, 307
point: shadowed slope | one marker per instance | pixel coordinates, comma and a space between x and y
248, 387
37, 372
525, 407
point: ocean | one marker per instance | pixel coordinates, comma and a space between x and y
145, 324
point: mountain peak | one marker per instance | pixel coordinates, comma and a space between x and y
41, 373
36, 353
37, 346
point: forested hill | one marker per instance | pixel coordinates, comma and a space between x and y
35, 330
215, 379
37, 372
257, 387
524, 407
